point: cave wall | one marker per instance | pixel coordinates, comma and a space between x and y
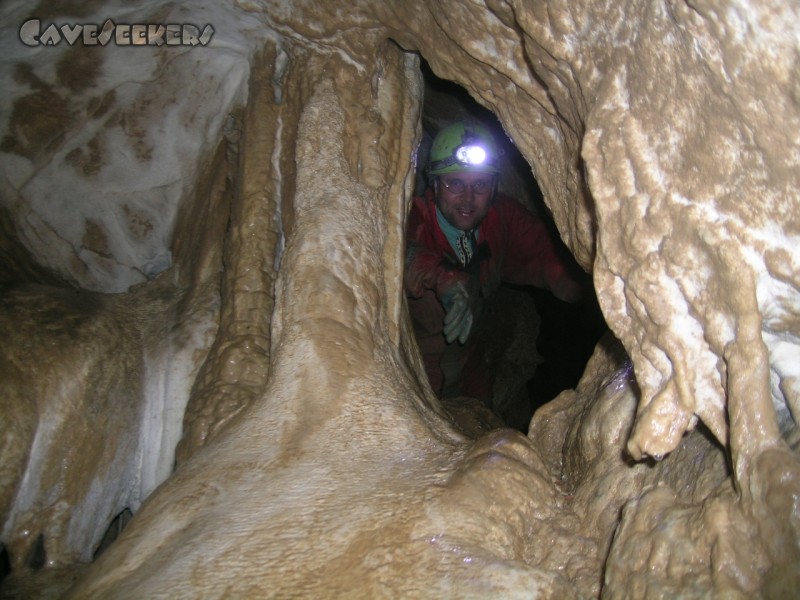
278, 164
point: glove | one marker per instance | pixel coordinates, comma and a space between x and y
458, 313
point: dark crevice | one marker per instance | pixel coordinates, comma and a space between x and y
5, 562
115, 528
568, 333
38, 555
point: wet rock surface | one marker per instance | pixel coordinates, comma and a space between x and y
205, 244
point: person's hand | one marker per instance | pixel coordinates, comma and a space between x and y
458, 313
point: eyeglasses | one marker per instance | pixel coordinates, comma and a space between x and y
479, 188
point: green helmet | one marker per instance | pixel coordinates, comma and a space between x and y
463, 146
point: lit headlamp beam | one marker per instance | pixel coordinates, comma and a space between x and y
470, 155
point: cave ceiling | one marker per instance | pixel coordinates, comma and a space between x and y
201, 250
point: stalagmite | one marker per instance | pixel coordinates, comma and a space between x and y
201, 257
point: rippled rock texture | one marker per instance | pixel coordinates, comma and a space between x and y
201, 255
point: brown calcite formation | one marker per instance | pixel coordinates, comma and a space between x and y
226, 270
415, 492
624, 507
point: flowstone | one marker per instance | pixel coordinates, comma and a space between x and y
207, 242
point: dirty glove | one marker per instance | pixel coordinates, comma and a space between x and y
458, 313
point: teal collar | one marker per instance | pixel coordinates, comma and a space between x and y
453, 234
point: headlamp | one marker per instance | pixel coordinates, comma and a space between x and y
466, 155
463, 147
470, 155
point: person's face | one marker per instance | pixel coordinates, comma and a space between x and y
464, 198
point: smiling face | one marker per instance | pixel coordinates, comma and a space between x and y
464, 198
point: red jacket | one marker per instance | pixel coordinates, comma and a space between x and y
514, 246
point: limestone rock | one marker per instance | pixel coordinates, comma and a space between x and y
245, 199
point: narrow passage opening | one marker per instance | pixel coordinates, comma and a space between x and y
532, 344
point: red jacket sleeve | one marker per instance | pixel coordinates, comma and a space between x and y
533, 256
425, 249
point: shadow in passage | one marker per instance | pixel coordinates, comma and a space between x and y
534, 344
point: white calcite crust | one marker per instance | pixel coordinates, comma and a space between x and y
205, 244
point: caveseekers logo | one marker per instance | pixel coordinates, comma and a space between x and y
32, 34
